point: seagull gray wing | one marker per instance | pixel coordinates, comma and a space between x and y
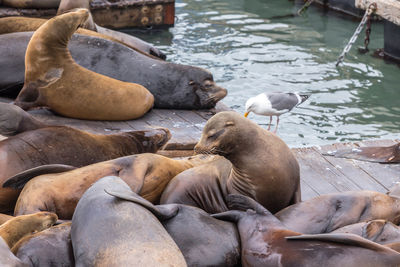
283, 101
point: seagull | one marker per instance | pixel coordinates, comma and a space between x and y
274, 104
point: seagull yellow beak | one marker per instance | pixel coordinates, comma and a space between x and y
246, 114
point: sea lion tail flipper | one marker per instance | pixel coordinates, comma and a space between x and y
231, 216
347, 239
19, 180
162, 212
373, 229
243, 203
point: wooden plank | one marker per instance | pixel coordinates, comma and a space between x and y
306, 191
310, 175
350, 169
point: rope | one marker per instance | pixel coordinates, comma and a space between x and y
304, 7
371, 9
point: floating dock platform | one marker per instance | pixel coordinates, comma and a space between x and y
115, 14
319, 174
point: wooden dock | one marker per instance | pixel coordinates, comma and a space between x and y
319, 174
113, 14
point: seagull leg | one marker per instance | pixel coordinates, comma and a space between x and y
270, 121
277, 122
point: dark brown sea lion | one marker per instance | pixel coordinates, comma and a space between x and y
326, 213
15, 229
14, 120
263, 167
7, 258
203, 240
50, 247
389, 154
267, 242
120, 233
66, 145
53, 79
146, 174
379, 231
31, 3
173, 85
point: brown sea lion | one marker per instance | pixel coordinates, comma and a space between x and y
14, 120
326, 213
263, 167
31, 3
146, 174
379, 231
7, 258
267, 242
389, 154
110, 232
50, 247
66, 145
53, 79
15, 229
203, 240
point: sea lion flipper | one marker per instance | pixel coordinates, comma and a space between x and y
231, 216
161, 212
19, 180
373, 229
243, 203
389, 154
348, 239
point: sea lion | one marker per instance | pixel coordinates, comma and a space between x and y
66, 145
173, 85
31, 3
267, 242
326, 213
89, 28
263, 167
7, 258
67, 5
130, 234
203, 240
15, 229
50, 247
379, 231
388, 154
14, 120
146, 174
54, 80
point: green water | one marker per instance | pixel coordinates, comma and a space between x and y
250, 49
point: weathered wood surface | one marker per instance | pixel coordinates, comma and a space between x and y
387, 9
325, 174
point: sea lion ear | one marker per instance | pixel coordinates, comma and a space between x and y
229, 123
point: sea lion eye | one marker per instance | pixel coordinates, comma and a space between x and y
216, 134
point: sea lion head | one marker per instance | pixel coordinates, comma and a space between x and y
69, 22
223, 134
151, 140
207, 92
41, 220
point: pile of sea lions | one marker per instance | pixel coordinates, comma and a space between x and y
97, 200
73, 198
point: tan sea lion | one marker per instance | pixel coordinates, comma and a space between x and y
53, 79
14, 120
379, 231
146, 174
50, 247
109, 232
4, 218
326, 213
267, 242
263, 167
31, 3
15, 229
66, 145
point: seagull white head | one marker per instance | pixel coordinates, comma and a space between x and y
249, 105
